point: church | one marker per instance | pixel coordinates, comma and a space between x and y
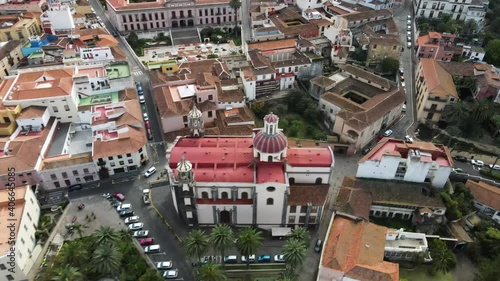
256, 180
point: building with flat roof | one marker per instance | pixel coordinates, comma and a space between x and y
418, 161
403, 245
19, 221
247, 181
354, 250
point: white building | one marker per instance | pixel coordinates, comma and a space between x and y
246, 180
309, 4
59, 16
372, 4
486, 198
19, 222
341, 37
119, 138
464, 10
402, 245
393, 159
65, 171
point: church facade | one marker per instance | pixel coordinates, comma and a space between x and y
256, 180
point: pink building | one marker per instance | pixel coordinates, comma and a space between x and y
162, 14
435, 45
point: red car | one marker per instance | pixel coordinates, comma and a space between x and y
120, 197
147, 241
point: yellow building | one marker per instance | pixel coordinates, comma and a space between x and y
435, 90
18, 28
382, 47
10, 55
8, 116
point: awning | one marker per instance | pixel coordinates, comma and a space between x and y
280, 231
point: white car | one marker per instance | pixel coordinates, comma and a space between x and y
408, 39
496, 167
408, 27
251, 258
279, 258
141, 234
403, 84
388, 133
146, 118
408, 17
478, 163
164, 265
408, 45
170, 274
150, 172
132, 219
401, 70
142, 99
404, 108
408, 138
136, 226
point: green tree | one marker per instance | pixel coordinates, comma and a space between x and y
248, 242
469, 28
453, 132
68, 273
151, 275
196, 244
106, 260
294, 253
300, 234
133, 40
482, 110
443, 259
456, 112
287, 276
222, 238
211, 272
489, 270
73, 253
105, 235
235, 5
493, 52
77, 228
390, 65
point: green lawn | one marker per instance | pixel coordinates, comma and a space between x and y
420, 274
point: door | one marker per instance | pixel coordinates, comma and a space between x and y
225, 217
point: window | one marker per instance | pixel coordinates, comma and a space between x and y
85, 170
303, 209
66, 107
112, 164
122, 163
56, 184
9, 277
271, 188
64, 175
210, 114
75, 173
204, 195
129, 155
130, 161
184, 118
22, 240
312, 219
293, 209
29, 217
2, 266
270, 201
291, 219
244, 195
224, 195
374, 46
314, 209
302, 219
55, 109
78, 180
53, 177
110, 157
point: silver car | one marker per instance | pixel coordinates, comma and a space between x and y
136, 226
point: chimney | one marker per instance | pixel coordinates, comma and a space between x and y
44, 78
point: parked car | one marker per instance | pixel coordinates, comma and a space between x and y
171, 274
366, 150
403, 84
318, 246
115, 203
142, 99
115, 34
107, 196
404, 108
126, 213
120, 197
408, 33
146, 117
401, 71
152, 249
402, 78
408, 17
136, 226
458, 170
164, 265
408, 21
264, 258
279, 258
150, 172
408, 45
147, 241
408, 39
496, 167
408, 28
150, 133
460, 158
132, 219
140, 234
408, 139
251, 258
478, 163
231, 259
139, 86
388, 133
124, 207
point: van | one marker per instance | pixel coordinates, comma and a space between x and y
124, 207
230, 259
318, 246
152, 249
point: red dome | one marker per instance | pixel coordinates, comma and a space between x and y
271, 118
270, 143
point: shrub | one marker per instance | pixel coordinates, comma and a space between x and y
491, 174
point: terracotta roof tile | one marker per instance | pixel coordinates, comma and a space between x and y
354, 201
66, 160
439, 81
356, 71
302, 195
458, 68
32, 112
272, 45
383, 13
484, 193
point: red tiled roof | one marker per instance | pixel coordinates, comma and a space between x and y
266, 143
302, 195
484, 193
309, 157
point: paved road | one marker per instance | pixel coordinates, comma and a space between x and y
170, 248
245, 21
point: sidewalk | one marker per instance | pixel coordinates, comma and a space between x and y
487, 159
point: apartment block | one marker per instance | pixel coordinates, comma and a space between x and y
10, 55
464, 10
13, 27
435, 45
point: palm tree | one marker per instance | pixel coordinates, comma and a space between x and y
453, 131
68, 273
248, 242
77, 228
105, 235
287, 276
456, 112
106, 260
301, 234
442, 258
294, 253
235, 5
196, 244
222, 238
211, 272
482, 110
74, 254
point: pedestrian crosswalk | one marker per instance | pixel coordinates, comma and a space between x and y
137, 73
